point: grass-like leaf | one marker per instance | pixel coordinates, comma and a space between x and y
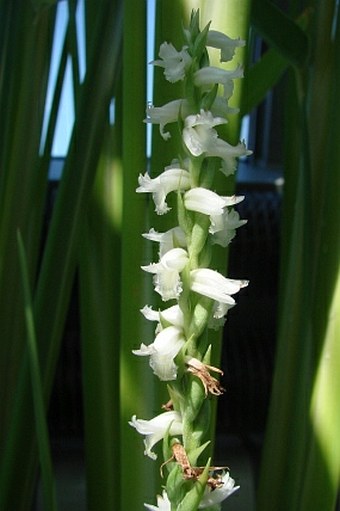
280, 32
40, 420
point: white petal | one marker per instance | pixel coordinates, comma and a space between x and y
163, 503
210, 75
212, 284
175, 63
163, 351
224, 43
155, 429
165, 114
175, 259
223, 228
168, 240
216, 496
205, 201
144, 350
198, 133
228, 153
173, 315
167, 279
167, 345
218, 315
170, 180
149, 313
168, 285
204, 118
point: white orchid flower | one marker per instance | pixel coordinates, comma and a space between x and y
173, 238
198, 132
222, 222
175, 63
179, 108
200, 137
167, 279
166, 114
207, 202
155, 429
223, 227
212, 497
218, 316
210, 75
228, 153
173, 178
224, 43
163, 503
162, 352
172, 315
212, 284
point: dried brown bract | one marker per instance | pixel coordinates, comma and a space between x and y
211, 385
180, 456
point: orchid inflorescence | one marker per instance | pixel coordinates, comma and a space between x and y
199, 296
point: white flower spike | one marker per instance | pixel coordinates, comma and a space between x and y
201, 297
154, 430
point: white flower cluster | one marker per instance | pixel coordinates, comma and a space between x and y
208, 219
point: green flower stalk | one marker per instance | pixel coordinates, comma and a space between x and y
199, 296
